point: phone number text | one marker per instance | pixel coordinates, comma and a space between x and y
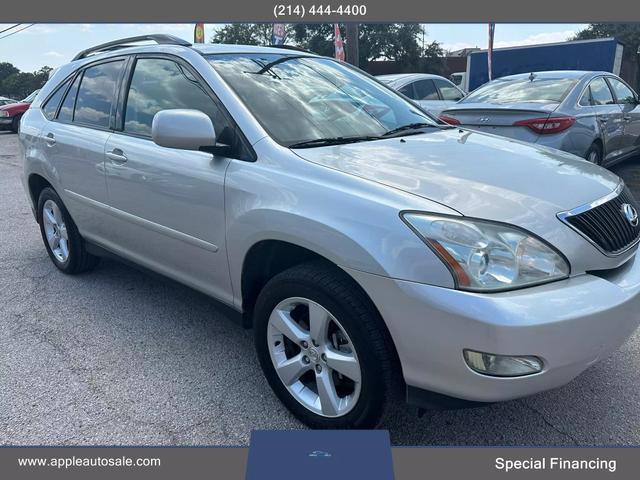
300, 11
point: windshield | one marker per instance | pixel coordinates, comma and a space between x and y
301, 99
30, 98
525, 90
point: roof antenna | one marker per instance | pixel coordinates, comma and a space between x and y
532, 76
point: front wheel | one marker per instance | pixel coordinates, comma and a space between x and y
323, 348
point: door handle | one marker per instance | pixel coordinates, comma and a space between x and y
627, 117
117, 156
50, 139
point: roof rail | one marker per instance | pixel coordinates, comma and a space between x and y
291, 47
160, 39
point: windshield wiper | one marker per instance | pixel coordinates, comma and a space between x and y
322, 142
410, 126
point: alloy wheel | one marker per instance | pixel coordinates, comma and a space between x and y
314, 357
55, 231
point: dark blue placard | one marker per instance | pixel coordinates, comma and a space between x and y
320, 454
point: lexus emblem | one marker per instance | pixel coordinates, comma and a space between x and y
631, 214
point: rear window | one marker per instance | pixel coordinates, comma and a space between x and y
512, 91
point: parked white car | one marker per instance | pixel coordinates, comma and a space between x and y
432, 92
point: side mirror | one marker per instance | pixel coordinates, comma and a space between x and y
183, 129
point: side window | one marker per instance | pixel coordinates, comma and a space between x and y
600, 92
408, 92
585, 100
51, 107
624, 94
447, 90
161, 84
97, 94
426, 90
66, 109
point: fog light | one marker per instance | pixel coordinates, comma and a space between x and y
502, 365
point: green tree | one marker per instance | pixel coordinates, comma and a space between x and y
388, 41
627, 33
17, 84
245, 34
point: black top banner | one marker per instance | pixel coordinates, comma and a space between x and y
312, 11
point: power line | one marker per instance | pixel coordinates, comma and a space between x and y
13, 26
17, 31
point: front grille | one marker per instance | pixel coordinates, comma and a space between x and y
606, 225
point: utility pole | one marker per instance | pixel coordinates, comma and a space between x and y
353, 38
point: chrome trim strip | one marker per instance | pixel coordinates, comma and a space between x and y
142, 222
563, 216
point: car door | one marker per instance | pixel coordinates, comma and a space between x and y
627, 99
168, 204
610, 118
74, 142
449, 93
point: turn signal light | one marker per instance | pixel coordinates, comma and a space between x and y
449, 120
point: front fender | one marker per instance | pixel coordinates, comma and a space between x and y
352, 222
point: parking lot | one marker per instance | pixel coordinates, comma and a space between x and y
122, 357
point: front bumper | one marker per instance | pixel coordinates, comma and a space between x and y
569, 324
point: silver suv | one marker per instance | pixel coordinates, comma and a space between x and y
373, 250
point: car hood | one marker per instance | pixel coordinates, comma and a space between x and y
478, 175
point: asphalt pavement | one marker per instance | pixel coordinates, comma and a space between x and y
120, 357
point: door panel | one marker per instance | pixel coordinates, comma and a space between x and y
168, 211
168, 204
627, 100
610, 118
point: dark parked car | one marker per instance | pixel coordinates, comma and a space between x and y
11, 113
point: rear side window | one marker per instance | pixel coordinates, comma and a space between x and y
161, 84
408, 92
51, 107
426, 90
624, 94
447, 90
600, 93
66, 109
97, 94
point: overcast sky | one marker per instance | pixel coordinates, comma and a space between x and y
56, 44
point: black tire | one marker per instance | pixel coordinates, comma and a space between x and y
78, 260
15, 124
594, 154
336, 292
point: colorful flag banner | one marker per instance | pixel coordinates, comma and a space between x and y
339, 44
278, 34
198, 33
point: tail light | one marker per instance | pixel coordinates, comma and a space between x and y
547, 125
449, 120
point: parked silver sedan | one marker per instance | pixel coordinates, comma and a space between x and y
594, 115
431, 92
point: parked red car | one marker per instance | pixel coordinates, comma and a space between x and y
10, 114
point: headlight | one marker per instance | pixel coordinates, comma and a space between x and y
4, 113
487, 256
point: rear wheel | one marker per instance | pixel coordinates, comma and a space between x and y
323, 349
60, 235
594, 154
